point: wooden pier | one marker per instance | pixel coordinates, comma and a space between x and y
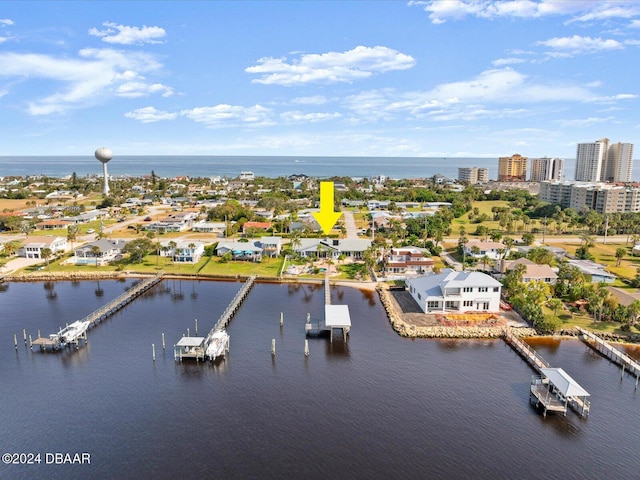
73, 333
216, 343
616, 356
553, 388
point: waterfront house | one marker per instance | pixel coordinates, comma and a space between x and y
452, 291
407, 260
32, 246
332, 247
107, 251
250, 251
271, 246
217, 228
184, 251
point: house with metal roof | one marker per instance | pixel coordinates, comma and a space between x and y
106, 252
33, 246
332, 247
250, 251
184, 251
595, 271
452, 291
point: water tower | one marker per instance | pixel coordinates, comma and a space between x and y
104, 155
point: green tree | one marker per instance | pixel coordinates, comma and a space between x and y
138, 249
620, 253
46, 253
555, 304
95, 251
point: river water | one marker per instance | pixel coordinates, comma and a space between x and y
379, 406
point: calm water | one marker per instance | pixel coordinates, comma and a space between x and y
205, 166
380, 407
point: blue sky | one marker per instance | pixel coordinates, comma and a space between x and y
452, 78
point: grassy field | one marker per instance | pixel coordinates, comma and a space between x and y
483, 207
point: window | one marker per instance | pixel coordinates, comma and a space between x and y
485, 306
433, 304
483, 289
467, 289
451, 304
419, 297
496, 289
468, 303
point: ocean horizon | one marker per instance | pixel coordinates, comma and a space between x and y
169, 166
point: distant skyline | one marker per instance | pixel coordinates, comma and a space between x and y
452, 78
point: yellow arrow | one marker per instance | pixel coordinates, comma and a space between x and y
326, 217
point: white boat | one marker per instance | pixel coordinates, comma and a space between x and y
73, 331
217, 344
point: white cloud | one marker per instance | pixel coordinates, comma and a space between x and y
578, 44
585, 122
125, 35
313, 100
464, 99
150, 115
141, 89
78, 82
634, 24
301, 117
3, 39
5, 22
500, 62
331, 67
440, 11
612, 98
229, 115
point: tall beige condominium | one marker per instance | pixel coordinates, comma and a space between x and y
590, 159
512, 169
546, 169
473, 175
619, 162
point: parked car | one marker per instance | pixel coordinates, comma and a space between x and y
147, 219
91, 230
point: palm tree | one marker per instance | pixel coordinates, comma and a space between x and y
192, 248
620, 252
46, 253
95, 251
555, 304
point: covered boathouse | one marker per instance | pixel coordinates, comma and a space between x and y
555, 390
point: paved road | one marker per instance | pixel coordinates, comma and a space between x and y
450, 261
350, 224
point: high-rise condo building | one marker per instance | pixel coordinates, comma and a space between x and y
604, 161
473, 175
512, 169
619, 163
546, 169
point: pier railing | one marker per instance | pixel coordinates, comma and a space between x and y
525, 351
231, 309
613, 354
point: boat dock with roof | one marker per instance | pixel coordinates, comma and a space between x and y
336, 317
216, 343
553, 388
75, 334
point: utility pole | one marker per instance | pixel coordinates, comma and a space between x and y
544, 229
606, 228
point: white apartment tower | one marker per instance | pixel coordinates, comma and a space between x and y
590, 158
546, 169
473, 175
619, 163
603, 161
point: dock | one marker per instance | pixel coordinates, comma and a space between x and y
216, 343
336, 317
552, 388
613, 354
75, 334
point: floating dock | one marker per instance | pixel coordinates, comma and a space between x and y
216, 343
75, 334
553, 388
616, 356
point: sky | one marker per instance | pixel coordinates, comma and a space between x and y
452, 78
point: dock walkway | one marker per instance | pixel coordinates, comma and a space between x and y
613, 354
73, 333
552, 388
216, 343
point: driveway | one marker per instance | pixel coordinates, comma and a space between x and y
350, 224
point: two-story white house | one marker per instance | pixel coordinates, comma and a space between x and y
452, 291
184, 251
33, 246
492, 250
106, 252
